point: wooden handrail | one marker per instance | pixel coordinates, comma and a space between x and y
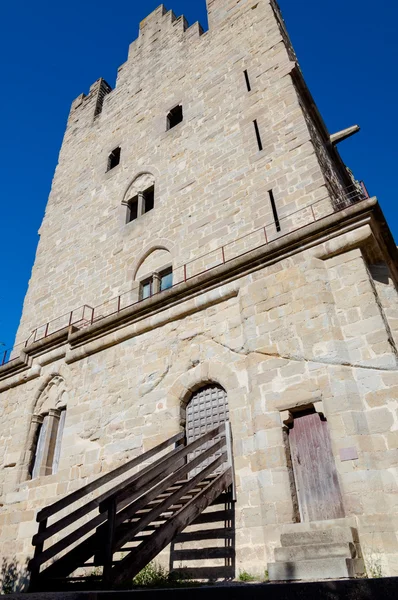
146, 475
47, 512
132, 564
123, 490
129, 501
163, 467
158, 510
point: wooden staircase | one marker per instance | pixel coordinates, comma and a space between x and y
106, 532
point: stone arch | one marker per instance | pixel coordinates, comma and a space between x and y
201, 375
51, 397
163, 245
54, 396
141, 182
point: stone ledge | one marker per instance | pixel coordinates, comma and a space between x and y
291, 243
325, 229
14, 366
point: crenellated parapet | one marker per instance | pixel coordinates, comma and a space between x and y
160, 28
90, 105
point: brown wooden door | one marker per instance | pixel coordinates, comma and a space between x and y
207, 408
315, 473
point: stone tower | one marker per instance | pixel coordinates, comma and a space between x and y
204, 238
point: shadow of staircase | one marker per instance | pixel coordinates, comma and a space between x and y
205, 550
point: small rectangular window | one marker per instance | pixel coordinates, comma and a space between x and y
174, 117
149, 199
274, 210
166, 279
132, 209
114, 158
146, 289
258, 136
246, 74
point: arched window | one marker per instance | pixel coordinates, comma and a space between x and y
46, 430
140, 197
155, 273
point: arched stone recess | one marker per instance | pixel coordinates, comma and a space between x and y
51, 398
142, 181
140, 196
205, 373
158, 254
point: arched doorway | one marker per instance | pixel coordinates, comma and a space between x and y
206, 409
213, 533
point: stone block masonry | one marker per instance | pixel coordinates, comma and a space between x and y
306, 324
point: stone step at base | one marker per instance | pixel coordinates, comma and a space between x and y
338, 535
316, 569
315, 551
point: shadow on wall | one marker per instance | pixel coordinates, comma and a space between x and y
14, 577
209, 542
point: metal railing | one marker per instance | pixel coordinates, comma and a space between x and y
86, 315
79, 317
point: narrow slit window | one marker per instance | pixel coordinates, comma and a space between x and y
149, 199
274, 210
258, 136
166, 279
132, 209
114, 158
174, 117
249, 87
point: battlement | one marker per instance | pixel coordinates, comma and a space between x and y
94, 100
159, 25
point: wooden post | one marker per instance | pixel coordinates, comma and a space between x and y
109, 532
230, 454
35, 568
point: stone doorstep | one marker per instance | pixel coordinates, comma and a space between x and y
315, 551
338, 535
316, 569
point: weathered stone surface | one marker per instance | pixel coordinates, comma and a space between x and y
308, 552
325, 536
306, 320
322, 568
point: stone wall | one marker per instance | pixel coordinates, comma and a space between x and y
211, 181
307, 329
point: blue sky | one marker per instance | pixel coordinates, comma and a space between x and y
52, 51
